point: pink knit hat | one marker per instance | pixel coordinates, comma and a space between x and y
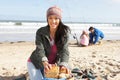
54, 11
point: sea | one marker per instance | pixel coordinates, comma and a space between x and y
26, 31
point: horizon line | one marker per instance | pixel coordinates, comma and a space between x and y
43, 21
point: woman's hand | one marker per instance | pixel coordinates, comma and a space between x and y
47, 66
63, 69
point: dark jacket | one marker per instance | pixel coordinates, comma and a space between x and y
43, 49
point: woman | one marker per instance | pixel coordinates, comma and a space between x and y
84, 39
51, 46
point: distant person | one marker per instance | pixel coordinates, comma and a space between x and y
51, 46
84, 39
95, 35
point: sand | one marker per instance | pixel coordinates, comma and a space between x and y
104, 59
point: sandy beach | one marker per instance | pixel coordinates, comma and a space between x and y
104, 59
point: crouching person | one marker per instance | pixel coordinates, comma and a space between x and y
95, 35
51, 46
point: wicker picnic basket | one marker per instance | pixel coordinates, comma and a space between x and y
56, 73
52, 73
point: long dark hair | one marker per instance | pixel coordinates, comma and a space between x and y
61, 33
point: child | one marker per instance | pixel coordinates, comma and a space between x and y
84, 39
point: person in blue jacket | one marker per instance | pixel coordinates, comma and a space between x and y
95, 35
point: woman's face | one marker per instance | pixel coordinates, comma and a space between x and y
53, 21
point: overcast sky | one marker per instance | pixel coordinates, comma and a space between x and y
73, 10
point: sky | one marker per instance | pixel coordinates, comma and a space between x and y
107, 11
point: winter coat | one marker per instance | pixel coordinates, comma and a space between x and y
43, 47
